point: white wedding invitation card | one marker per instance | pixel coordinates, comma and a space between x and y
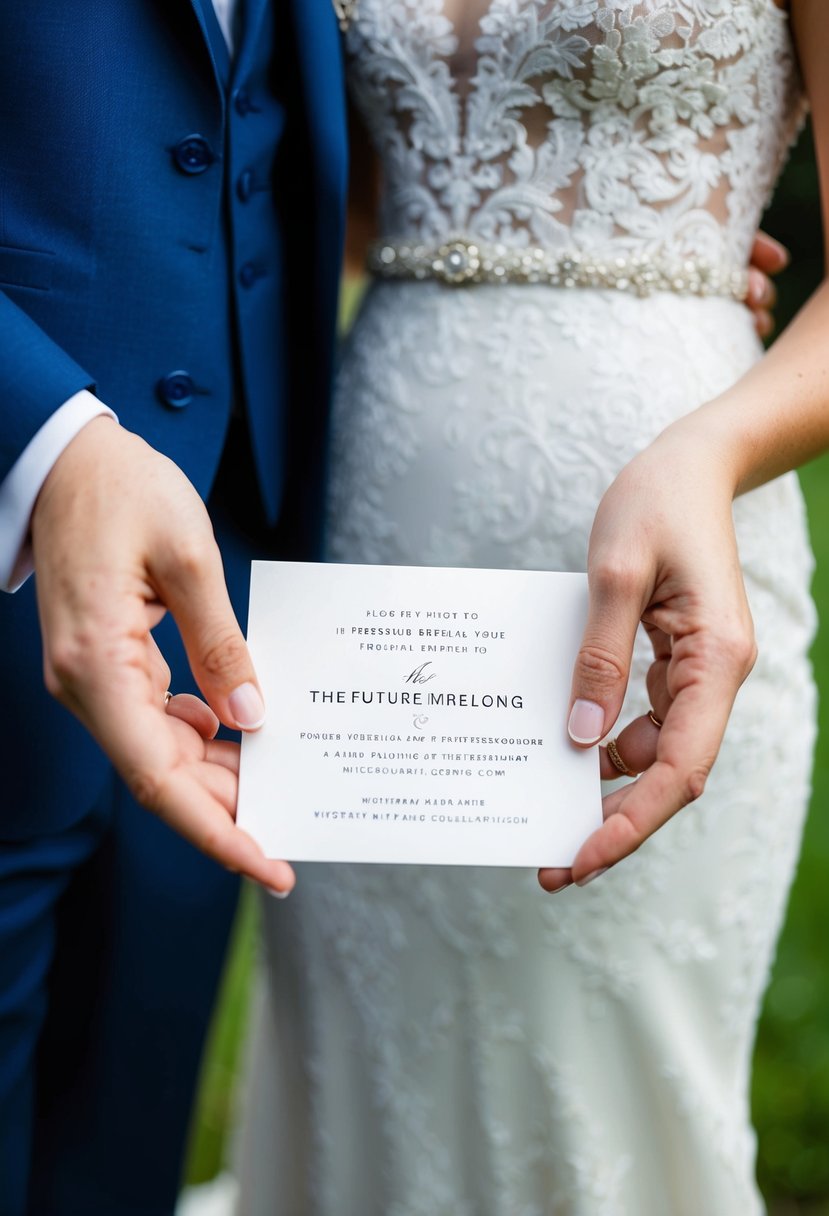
416, 715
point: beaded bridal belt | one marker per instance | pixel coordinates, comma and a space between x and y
460, 261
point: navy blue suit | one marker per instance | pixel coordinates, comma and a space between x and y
170, 233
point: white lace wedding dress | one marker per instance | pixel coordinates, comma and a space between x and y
447, 1042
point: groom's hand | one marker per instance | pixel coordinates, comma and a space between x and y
120, 536
768, 257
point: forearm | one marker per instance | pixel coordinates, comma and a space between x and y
36, 377
776, 416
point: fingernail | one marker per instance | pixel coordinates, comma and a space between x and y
277, 894
586, 724
563, 887
582, 882
247, 707
756, 286
781, 251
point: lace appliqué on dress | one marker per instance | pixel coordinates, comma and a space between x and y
649, 127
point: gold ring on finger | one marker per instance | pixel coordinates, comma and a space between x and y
617, 761
654, 719
168, 696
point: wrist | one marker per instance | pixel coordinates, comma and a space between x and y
710, 442
85, 445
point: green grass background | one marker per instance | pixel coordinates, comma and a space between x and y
790, 1094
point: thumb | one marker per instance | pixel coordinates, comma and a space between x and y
194, 590
602, 667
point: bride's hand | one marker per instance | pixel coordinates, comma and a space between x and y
662, 552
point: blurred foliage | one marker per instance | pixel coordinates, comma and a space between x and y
790, 1097
216, 1099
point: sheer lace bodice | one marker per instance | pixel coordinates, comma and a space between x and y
619, 126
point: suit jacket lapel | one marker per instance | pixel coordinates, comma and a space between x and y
319, 49
215, 39
252, 12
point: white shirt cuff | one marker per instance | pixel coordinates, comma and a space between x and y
22, 484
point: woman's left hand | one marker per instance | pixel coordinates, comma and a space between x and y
663, 553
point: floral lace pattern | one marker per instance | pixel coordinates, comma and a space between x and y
441, 1042
654, 126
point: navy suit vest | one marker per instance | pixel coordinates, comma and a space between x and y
170, 234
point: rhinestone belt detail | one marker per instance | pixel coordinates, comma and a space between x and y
461, 261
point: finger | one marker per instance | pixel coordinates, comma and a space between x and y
763, 323
636, 745
600, 676
761, 291
656, 680
769, 255
191, 583
220, 771
656, 683
687, 746
658, 693
184, 803
194, 712
159, 668
160, 759
553, 880
199, 803
660, 640
155, 753
222, 751
221, 784
217, 763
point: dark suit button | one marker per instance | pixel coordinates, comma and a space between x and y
244, 186
241, 100
193, 154
176, 389
249, 273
